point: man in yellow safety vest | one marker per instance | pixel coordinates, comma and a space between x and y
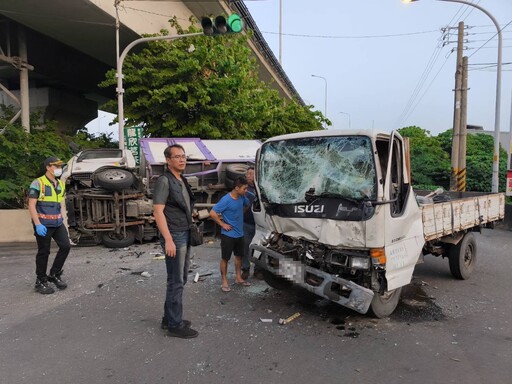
44, 204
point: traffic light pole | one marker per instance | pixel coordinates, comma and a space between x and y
119, 74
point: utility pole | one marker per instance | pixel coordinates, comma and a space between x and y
456, 109
461, 176
24, 84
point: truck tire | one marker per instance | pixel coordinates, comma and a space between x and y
114, 240
236, 170
383, 305
229, 183
462, 257
276, 282
113, 179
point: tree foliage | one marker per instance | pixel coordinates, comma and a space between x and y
479, 154
431, 160
22, 154
430, 164
205, 87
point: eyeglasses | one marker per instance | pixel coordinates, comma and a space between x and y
179, 157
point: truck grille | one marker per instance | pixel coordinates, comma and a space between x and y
82, 176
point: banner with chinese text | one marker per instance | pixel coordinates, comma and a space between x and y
131, 141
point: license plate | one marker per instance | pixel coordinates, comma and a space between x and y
291, 270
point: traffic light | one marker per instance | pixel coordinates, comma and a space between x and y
220, 26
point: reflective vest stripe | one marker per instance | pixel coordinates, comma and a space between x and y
49, 217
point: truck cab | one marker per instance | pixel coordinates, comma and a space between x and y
337, 215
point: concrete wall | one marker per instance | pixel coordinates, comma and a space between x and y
15, 226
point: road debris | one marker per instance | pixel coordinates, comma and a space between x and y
266, 320
196, 277
291, 318
145, 274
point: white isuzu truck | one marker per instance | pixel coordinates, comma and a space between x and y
337, 215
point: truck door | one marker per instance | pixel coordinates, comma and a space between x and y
403, 226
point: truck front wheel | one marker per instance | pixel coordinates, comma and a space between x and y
462, 257
118, 240
384, 304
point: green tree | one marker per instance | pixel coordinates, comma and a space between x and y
430, 164
22, 154
479, 154
206, 87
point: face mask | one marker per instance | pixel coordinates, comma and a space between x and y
58, 172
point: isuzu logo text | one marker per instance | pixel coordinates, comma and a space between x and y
309, 208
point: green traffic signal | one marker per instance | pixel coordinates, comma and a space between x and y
235, 23
220, 26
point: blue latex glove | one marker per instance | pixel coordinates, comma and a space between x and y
41, 230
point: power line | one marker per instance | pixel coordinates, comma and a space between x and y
503, 46
492, 37
424, 76
471, 9
350, 37
428, 87
426, 72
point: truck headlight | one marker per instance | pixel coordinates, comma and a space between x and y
360, 262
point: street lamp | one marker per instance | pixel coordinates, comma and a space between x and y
348, 114
119, 74
325, 107
496, 157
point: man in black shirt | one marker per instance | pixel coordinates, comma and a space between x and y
172, 207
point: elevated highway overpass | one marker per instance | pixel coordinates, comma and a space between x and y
54, 53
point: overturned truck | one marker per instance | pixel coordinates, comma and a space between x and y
109, 197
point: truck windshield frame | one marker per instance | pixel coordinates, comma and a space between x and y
295, 170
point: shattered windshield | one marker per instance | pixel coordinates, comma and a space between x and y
338, 166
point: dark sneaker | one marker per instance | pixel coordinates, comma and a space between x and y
182, 332
43, 287
245, 274
57, 280
165, 324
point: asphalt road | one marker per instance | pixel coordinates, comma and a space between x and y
105, 327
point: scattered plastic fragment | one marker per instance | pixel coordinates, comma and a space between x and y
265, 320
196, 277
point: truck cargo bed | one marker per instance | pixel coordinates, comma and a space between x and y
461, 212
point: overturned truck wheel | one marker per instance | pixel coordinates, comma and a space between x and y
118, 240
113, 179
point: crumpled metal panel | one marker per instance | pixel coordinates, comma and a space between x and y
359, 298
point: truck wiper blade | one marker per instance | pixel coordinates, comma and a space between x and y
310, 196
339, 196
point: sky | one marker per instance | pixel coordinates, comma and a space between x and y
384, 61
373, 79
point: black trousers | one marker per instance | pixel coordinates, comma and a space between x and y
60, 235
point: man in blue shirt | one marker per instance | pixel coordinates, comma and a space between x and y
231, 207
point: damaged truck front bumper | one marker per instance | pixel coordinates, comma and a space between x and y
334, 288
